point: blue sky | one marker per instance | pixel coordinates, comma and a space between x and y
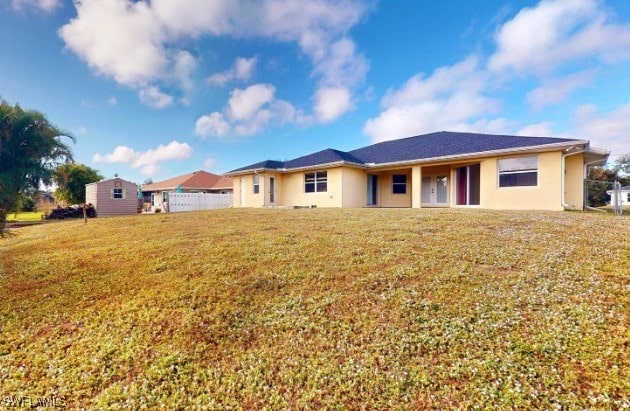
155, 89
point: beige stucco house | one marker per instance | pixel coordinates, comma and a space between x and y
155, 195
443, 169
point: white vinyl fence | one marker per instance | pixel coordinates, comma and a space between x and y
198, 201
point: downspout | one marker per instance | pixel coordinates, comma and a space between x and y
564, 174
586, 165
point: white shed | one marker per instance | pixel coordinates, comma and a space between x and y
112, 197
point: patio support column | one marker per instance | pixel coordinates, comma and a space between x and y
416, 179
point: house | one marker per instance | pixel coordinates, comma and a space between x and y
155, 195
112, 197
443, 169
624, 196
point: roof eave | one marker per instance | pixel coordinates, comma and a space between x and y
294, 169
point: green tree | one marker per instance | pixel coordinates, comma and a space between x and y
30, 148
71, 179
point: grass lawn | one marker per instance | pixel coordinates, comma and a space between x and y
320, 309
25, 216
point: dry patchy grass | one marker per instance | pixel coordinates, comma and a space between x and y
312, 309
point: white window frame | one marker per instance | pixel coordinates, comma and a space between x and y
319, 178
516, 171
256, 184
118, 193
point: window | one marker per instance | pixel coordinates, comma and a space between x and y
256, 184
399, 184
118, 194
316, 182
467, 185
164, 196
518, 172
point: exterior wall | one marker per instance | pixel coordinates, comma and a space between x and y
293, 190
347, 186
574, 181
545, 196
385, 187
107, 206
90, 194
354, 185
244, 191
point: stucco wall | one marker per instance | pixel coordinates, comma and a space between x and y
545, 196
387, 198
354, 187
574, 181
247, 191
293, 190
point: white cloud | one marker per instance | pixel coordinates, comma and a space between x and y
139, 44
121, 154
153, 97
45, 5
340, 64
119, 39
450, 99
248, 111
542, 129
331, 103
112, 101
244, 104
212, 125
556, 90
541, 38
607, 130
242, 69
209, 163
147, 161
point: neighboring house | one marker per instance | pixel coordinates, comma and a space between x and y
155, 195
112, 197
624, 195
443, 169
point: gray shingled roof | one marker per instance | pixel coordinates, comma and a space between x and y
426, 146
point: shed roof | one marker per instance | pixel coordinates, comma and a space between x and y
112, 179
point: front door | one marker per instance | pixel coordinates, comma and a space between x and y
372, 190
272, 190
435, 190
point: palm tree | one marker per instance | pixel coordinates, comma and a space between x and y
30, 149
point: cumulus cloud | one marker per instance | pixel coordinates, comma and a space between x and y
242, 69
452, 98
139, 43
247, 112
331, 103
541, 38
608, 130
556, 90
212, 125
542, 129
147, 161
244, 104
153, 97
45, 5
209, 163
